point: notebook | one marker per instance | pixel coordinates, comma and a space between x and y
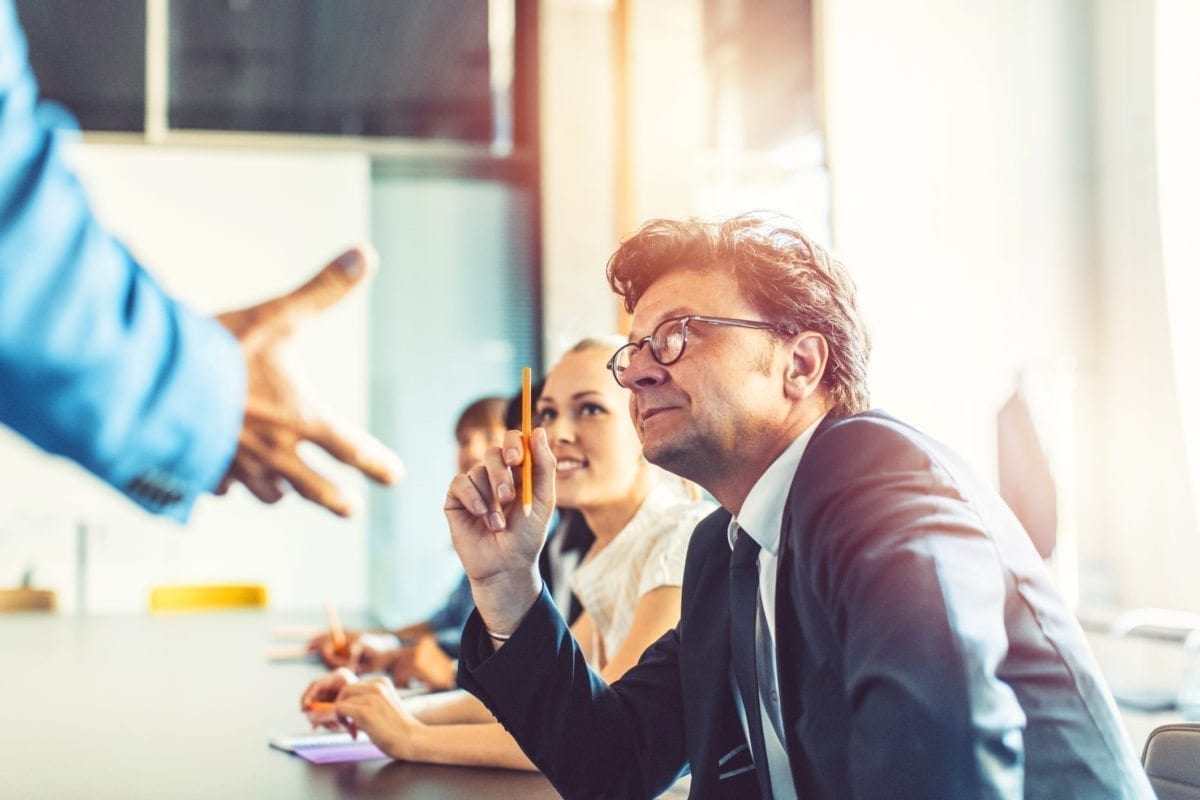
328, 748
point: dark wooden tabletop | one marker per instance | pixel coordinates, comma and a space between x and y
181, 707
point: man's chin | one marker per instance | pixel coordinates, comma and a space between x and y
674, 457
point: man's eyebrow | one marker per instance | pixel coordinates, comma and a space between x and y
678, 311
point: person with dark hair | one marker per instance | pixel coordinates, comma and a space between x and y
425, 650
863, 617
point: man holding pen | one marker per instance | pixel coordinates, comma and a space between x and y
863, 618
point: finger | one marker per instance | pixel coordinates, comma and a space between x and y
355, 659
260, 482
493, 518
308, 483
544, 465
348, 724
500, 478
358, 449
464, 495
514, 448
328, 687
333, 282
313, 692
331, 656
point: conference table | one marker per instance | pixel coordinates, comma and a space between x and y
182, 706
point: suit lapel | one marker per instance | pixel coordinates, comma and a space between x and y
790, 647
720, 759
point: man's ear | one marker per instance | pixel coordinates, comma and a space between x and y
808, 358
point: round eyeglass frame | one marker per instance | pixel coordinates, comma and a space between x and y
683, 326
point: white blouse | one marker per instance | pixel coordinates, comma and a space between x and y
647, 553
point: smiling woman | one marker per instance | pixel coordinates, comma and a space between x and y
628, 584
642, 516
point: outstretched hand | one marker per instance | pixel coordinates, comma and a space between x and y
497, 540
278, 417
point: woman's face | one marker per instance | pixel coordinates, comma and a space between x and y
586, 417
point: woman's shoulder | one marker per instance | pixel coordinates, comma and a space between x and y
674, 515
663, 551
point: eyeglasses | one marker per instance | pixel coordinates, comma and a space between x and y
669, 340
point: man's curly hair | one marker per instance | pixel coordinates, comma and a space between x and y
790, 279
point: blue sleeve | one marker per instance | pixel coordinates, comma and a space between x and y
97, 363
447, 622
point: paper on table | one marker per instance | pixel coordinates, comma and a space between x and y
328, 748
358, 751
290, 652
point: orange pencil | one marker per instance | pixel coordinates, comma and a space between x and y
335, 628
526, 432
320, 707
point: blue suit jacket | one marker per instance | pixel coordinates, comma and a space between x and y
921, 652
97, 363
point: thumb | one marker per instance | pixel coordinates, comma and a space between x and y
544, 463
333, 282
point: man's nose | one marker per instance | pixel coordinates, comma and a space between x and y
643, 370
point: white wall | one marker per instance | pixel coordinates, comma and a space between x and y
994, 194
956, 201
578, 170
221, 229
1150, 536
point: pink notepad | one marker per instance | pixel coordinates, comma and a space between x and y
328, 748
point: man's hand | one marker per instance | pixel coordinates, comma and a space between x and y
278, 418
496, 539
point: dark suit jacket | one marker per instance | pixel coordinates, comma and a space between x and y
921, 653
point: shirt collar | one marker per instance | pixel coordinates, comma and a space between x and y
762, 512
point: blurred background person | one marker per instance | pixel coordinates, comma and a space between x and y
425, 650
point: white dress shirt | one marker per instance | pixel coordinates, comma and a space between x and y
762, 517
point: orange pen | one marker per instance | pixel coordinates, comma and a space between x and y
526, 432
320, 707
335, 628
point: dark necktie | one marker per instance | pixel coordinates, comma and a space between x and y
743, 619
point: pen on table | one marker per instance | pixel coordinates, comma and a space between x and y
335, 628
526, 432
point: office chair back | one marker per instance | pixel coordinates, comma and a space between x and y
1172, 760
207, 597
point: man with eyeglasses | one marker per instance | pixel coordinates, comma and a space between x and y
863, 618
